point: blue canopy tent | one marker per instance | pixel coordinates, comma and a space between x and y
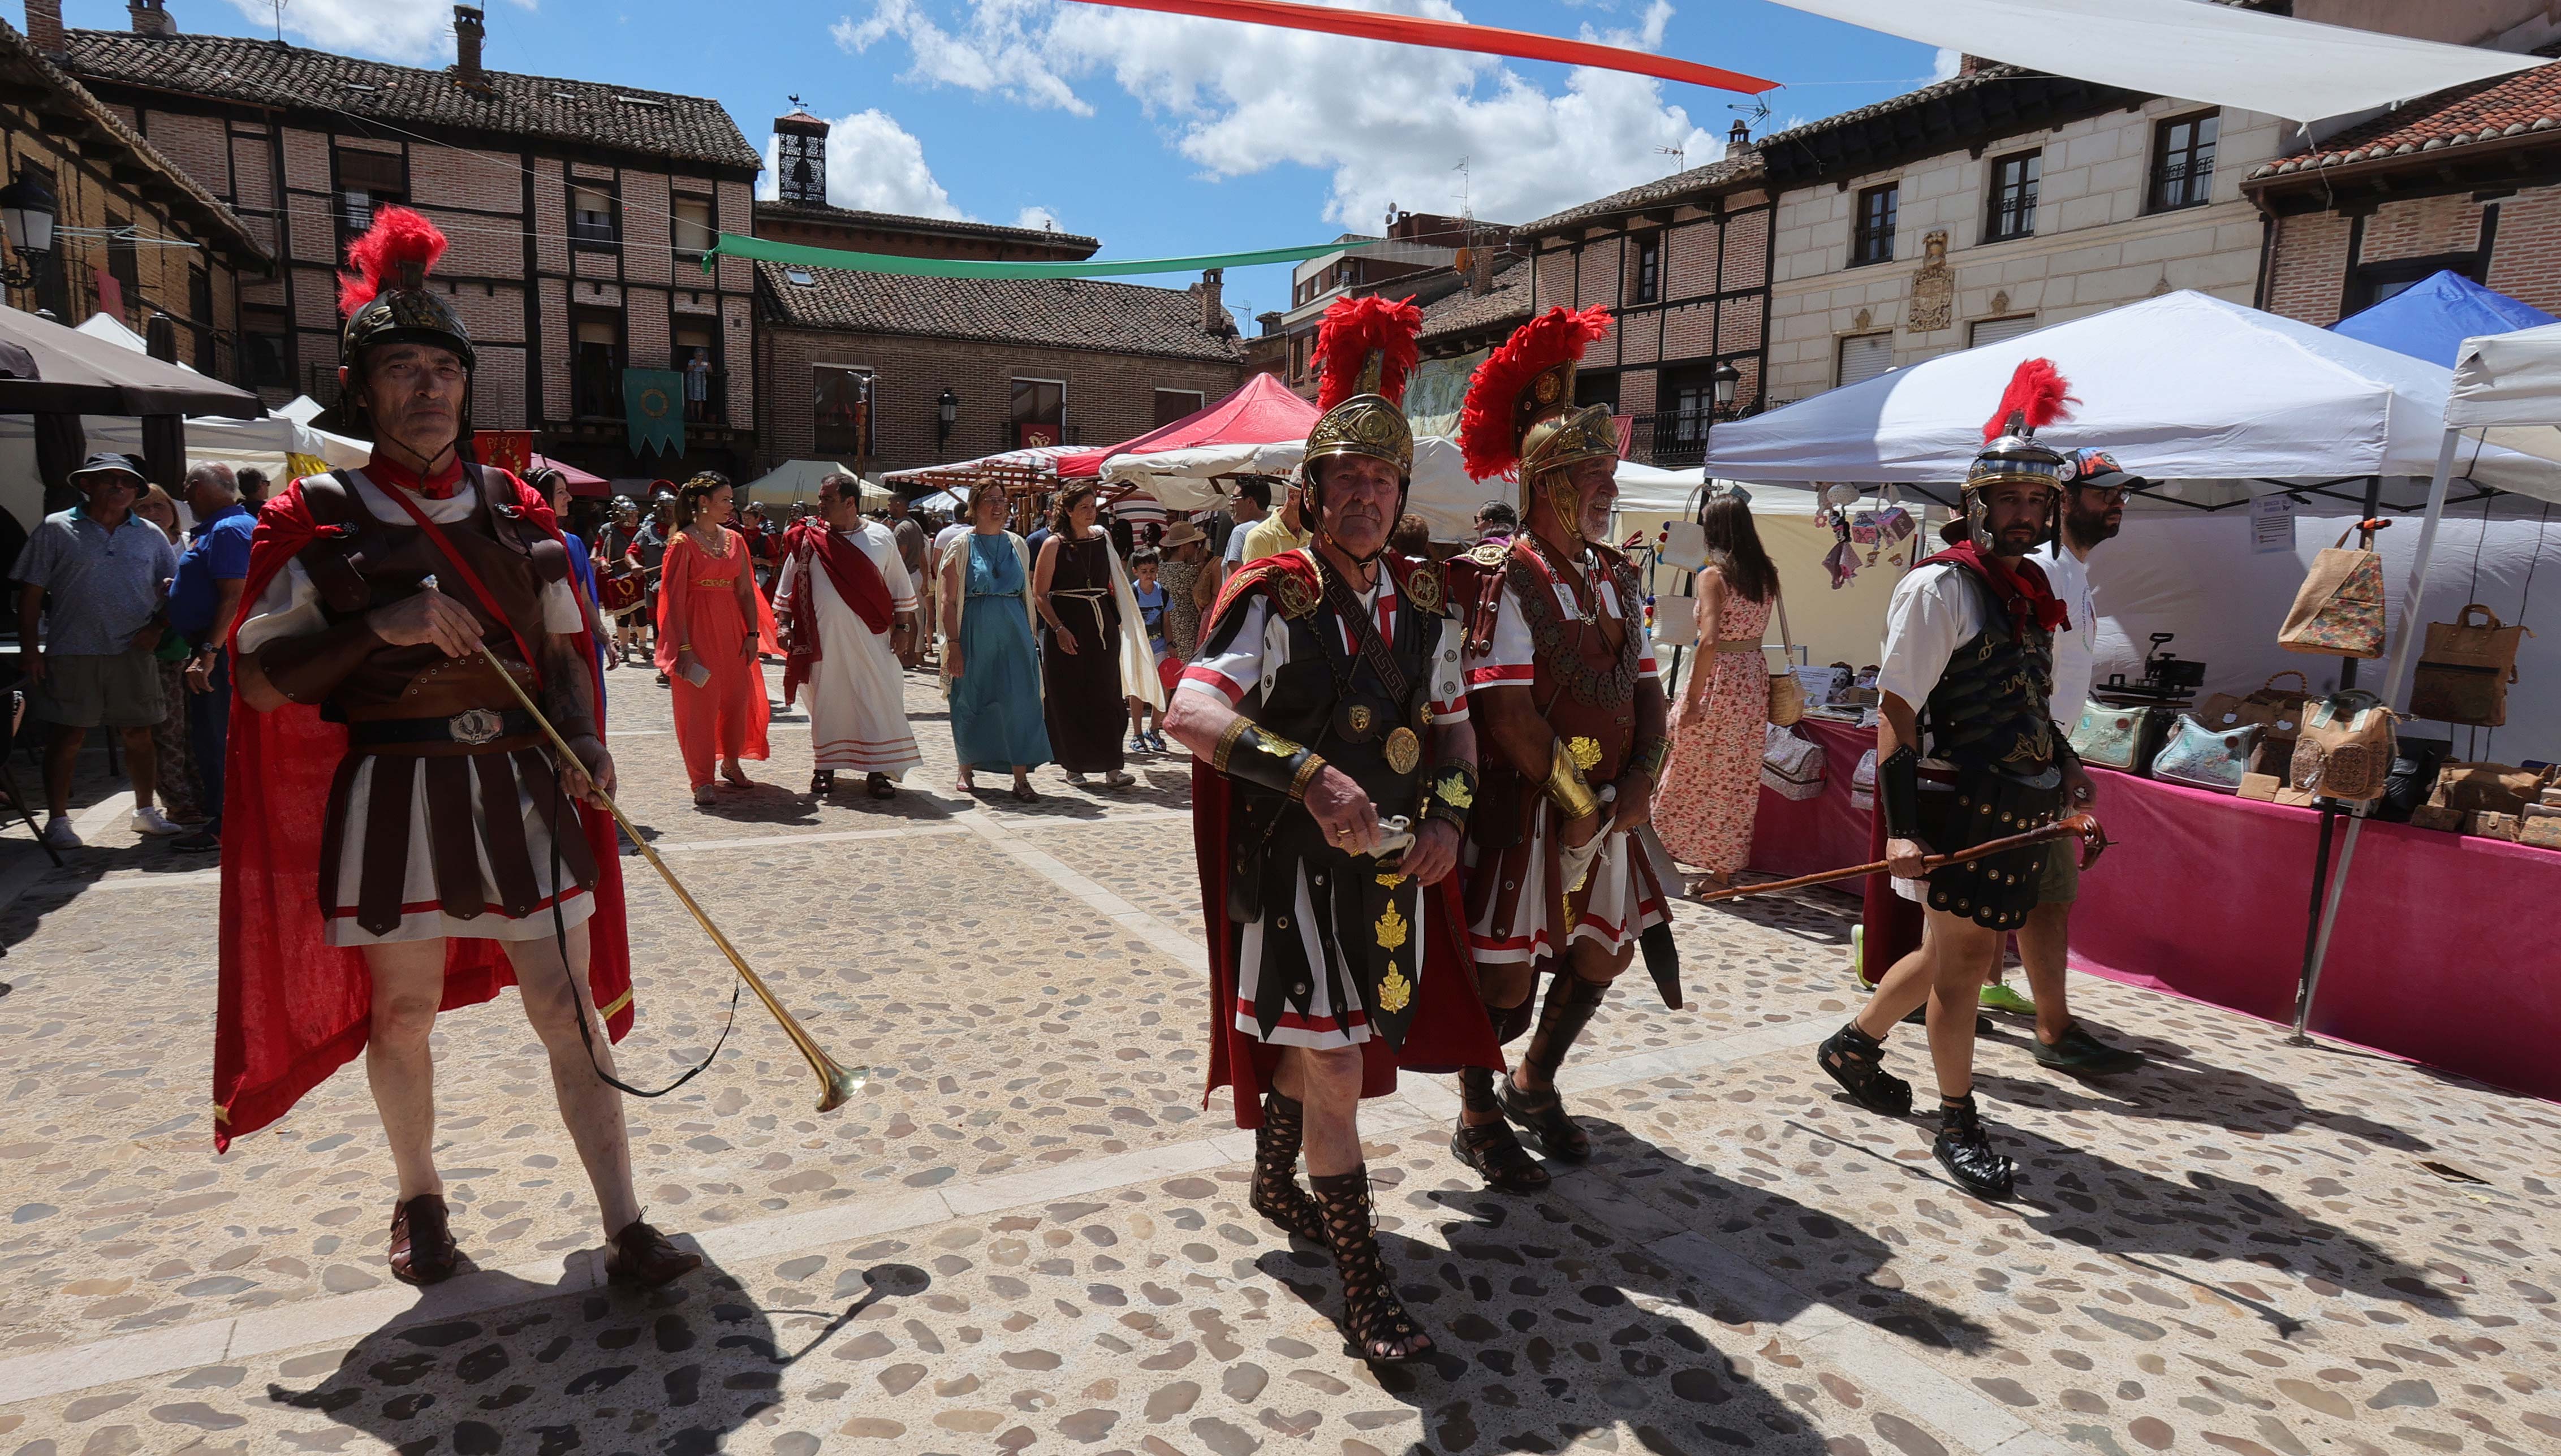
2431, 318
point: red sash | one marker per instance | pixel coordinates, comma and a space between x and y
2018, 582
856, 578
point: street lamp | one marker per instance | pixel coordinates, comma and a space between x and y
27, 210
1725, 378
947, 412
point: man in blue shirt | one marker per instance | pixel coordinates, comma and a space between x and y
204, 598
95, 576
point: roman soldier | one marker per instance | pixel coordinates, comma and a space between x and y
1560, 680
400, 839
1965, 754
1335, 769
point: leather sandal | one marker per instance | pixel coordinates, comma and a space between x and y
422, 1249
822, 782
1962, 1149
1490, 1147
1277, 1194
881, 786
1541, 1114
640, 1254
1856, 1060
1382, 1332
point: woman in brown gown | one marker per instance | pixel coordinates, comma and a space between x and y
1080, 642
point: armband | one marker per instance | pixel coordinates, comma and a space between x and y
1898, 792
309, 668
1247, 752
1566, 787
1451, 793
1651, 756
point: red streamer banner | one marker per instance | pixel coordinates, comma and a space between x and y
1450, 35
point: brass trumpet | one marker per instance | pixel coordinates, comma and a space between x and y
835, 1082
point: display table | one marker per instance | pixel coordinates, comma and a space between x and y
2442, 952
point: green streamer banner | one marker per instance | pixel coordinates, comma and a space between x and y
766, 249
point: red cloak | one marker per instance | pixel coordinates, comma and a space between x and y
291, 1008
857, 581
1449, 1029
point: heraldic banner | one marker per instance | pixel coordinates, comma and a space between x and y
653, 408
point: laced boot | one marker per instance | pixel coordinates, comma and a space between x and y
1568, 1009
1856, 1060
1488, 1146
1381, 1331
1966, 1153
1277, 1194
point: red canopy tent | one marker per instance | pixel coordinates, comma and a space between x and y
586, 483
1262, 412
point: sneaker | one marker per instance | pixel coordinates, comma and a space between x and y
1997, 996
1156, 743
149, 820
2076, 1051
60, 834
202, 842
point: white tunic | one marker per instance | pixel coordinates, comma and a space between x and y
857, 691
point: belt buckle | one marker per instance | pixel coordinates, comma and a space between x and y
476, 725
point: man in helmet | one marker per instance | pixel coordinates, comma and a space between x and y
1335, 769
1562, 681
453, 856
1966, 752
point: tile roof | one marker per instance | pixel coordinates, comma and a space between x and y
901, 223
1985, 73
1729, 172
1467, 313
1061, 313
272, 73
2514, 104
23, 65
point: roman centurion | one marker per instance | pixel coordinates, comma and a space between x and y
1336, 772
1562, 880
398, 840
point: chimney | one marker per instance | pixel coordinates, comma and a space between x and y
468, 31
1738, 140
1213, 319
1968, 65
150, 17
45, 27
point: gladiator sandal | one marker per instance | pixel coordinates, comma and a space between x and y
1966, 1153
1562, 1017
1277, 1194
822, 782
1490, 1147
1382, 1333
1856, 1060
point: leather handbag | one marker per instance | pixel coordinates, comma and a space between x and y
1792, 765
2123, 738
1787, 695
2464, 669
2199, 758
2338, 611
2499, 788
2346, 749
2413, 778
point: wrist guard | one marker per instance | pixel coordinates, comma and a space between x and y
1246, 751
1566, 787
1650, 756
1451, 794
309, 668
1898, 792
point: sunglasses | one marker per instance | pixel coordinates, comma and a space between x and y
2114, 494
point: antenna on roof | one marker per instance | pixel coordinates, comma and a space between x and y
1679, 156
279, 20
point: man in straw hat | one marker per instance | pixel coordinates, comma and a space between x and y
398, 772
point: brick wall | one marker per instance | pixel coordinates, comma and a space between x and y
2418, 229
2308, 267
1110, 397
2526, 260
2308, 272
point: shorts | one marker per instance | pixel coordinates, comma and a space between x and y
99, 690
2060, 883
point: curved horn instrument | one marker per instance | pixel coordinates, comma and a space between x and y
835, 1082
2082, 827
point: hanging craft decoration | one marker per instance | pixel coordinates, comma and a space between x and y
1453, 35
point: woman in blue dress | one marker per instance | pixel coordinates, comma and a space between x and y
991, 671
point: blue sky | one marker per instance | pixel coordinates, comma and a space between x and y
1161, 135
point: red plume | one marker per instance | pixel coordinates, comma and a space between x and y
2037, 393
1352, 327
1485, 436
398, 240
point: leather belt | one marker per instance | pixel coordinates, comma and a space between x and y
1739, 646
472, 728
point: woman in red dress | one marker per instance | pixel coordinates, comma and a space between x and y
712, 622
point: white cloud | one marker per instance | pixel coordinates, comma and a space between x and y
1390, 124
873, 164
395, 30
1944, 66
1037, 215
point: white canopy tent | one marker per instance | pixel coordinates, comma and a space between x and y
797, 480
266, 444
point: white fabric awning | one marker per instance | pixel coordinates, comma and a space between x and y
2244, 59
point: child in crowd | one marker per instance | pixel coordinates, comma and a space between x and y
1146, 725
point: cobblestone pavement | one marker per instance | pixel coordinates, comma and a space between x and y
1026, 1233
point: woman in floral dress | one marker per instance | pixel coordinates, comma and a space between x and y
1711, 788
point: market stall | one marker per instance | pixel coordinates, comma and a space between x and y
1033, 468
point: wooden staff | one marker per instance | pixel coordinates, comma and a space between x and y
2083, 827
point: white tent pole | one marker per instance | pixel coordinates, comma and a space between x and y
2403, 649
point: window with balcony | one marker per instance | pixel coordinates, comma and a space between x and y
595, 364
2013, 209
1871, 234
367, 181
697, 361
2182, 163
1039, 413
694, 228
590, 217
1645, 275
842, 418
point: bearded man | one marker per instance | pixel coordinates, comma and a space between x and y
1560, 678
379, 756
1334, 771
849, 608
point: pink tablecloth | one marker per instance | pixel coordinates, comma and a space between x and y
2442, 953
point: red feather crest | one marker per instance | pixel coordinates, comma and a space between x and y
2038, 393
1486, 438
384, 256
1352, 327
